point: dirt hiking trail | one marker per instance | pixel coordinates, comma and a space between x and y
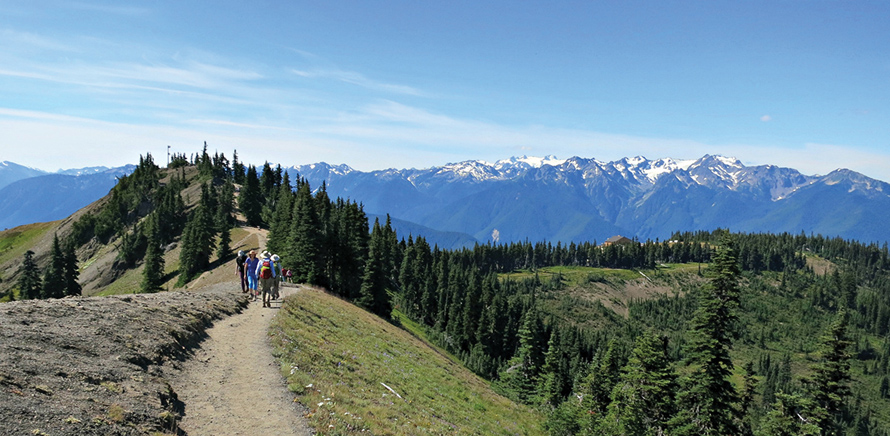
232, 384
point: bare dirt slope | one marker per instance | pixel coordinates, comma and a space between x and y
100, 365
233, 386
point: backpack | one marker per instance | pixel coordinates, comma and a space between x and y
266, 269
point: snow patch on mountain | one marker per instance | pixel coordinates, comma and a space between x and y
529, 162
660, 167
472, 169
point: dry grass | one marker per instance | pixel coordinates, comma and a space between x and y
820, 266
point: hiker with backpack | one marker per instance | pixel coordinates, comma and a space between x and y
242, 273
266, 272
250, 265
279, 276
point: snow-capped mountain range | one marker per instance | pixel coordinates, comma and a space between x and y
580, 199
543, 198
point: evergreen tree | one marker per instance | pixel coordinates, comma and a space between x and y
392, 254
224, 245
373, 294
328, 236
226, 207
54, 280
520, 377
197, 245
268, 182
555, 377
746, 399
251, 198
596, 387
72, 287
223, 222
709, 398
790, 417
643, 398
303, 248
282, 218
238, 175
830, 382
29, 283
153, 269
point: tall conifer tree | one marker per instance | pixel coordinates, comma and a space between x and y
29, 278
238, 175
305, 238
555, 377
251, 198
520, 377
643, 398
830, 382
197, 244
281, 222
54, 280
153, 270
709, 399
72, 287
373, 295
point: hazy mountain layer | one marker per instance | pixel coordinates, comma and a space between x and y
54, 196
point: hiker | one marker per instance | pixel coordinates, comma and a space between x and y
278, 277
239, 265
250, 265
265, 270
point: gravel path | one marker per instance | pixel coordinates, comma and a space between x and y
232, 384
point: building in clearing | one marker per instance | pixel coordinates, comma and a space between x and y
617, 240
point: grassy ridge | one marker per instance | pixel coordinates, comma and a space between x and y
13, 245
16, 241
337, 358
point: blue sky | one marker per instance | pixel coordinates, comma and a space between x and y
380, 84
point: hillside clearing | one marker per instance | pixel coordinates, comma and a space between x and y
613, 288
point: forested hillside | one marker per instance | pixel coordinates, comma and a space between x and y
183, 214
743, 334
763, 343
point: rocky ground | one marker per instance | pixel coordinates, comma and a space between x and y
102, 365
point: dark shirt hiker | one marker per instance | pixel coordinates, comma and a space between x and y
239, 265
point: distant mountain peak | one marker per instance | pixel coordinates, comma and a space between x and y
530, 161
712, 160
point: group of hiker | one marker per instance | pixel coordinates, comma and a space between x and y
262, 272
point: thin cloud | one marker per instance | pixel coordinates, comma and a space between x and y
766, 118
109, 9
359, 79
44, 116
236, 124
193, 74
15, 38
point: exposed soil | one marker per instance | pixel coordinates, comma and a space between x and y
233, 386
101, 365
